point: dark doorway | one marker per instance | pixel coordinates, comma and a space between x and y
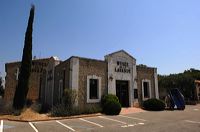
122, 92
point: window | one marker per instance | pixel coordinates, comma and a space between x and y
93, 89
17, 73
135, 93
60, 90
146, 89
63, 84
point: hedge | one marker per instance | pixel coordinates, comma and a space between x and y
154, 105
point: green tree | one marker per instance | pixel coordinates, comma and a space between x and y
183, 81
25, 70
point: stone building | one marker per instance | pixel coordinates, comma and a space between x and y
47, 82
118, 74
12, 71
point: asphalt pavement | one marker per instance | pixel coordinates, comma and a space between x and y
162, 121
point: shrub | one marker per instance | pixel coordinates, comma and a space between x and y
110, 104
69, 98
105, 99
112, 108
29, 102
36, 106
86, 110
154, 104
5, 107
16, 112
44, 108
59, 110
91, 109
66, 108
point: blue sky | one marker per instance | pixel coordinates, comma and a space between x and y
159, 33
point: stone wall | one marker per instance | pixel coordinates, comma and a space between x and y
144, 72
38, 66
197, 90
88, 67
47, 83
74, 72
62, 72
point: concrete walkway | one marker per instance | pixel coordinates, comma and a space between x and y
131, 110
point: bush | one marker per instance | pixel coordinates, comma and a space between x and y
154, 105
5, 107
66, 108
112, 108
59, 110
110, 104
108, 97
36, 106
29, 102
69, 98
44, 108
91, 109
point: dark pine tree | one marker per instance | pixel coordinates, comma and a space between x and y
25, 70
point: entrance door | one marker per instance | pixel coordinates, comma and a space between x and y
122, 92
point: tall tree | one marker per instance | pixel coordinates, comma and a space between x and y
25, 70
183, 81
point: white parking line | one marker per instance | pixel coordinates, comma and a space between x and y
196, 122
1, 126
90, 122
33, 127
42, 122
65, 126
124, 126
112, 119
132, 125
133, 118
141, 123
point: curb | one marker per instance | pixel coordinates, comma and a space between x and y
61, 118
53, 118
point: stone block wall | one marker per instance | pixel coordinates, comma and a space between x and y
62, 72
90, 67
38, 66
144, 72
10, 80
47, 83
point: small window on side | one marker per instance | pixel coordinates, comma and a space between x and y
94, 89
146, 90
135, 93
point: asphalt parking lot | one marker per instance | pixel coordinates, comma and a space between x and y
164, 121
